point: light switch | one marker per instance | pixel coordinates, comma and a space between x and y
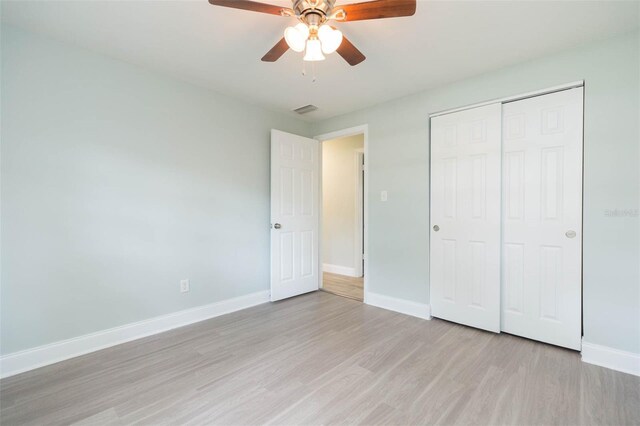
383, 195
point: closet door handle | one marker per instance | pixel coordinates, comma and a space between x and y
277, 226
570, 233
436, 228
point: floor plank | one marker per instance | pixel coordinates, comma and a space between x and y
322, 359
342, 285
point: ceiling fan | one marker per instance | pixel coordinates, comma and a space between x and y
314, 35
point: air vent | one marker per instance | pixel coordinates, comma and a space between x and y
305, 109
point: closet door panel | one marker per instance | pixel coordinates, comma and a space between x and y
465, 217
542, 218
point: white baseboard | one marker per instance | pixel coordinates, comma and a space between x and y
40, 356
615, 359
341, 270
420, 310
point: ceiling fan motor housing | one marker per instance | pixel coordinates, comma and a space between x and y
313, 12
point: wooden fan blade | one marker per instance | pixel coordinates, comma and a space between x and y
276, 51
253, 6
378, 9
350, 53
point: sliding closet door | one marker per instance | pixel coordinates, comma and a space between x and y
465, 217
542, 218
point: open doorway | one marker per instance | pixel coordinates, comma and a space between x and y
342, 219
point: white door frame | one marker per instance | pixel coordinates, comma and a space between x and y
351, 131
359, 232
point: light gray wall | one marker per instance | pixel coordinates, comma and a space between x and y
398, 162
339, 191
117, 183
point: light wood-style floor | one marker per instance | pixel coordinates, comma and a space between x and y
322, 359
343, 285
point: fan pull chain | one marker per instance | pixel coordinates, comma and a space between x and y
313, 71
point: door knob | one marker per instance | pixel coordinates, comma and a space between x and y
277, 226
570, 233
436, 228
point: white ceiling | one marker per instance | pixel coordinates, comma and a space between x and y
220, 48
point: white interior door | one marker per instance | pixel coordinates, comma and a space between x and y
294, 214
542, 218
465, 217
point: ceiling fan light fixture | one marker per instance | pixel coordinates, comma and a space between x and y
296, 37
314, 51
330, 38
313, 15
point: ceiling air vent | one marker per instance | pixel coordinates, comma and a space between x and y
305, 109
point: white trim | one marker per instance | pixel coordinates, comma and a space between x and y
358, 244
351, 131
420, 310
40, 356
546, 91
615, 359
340, 270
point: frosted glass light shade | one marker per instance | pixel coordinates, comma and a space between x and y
330, 38
296, 37
314, 51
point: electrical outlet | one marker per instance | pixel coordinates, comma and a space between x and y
383, 195
184, 286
